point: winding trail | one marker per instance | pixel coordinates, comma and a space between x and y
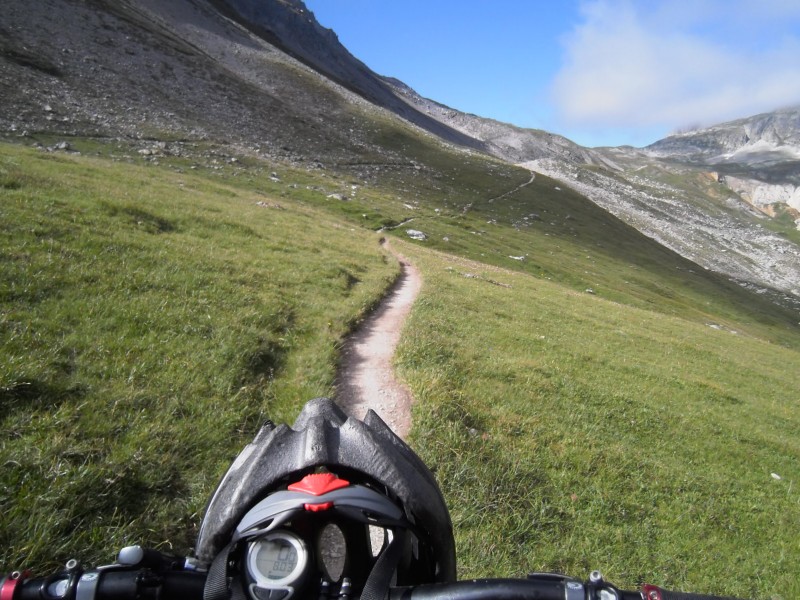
469, 206
366, 378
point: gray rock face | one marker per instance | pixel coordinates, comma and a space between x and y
293, 28
763, 138
758, 158
762, 194
503, 140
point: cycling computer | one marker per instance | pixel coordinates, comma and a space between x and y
277, 564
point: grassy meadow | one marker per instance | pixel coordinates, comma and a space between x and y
586, 398
150, 321
571, 433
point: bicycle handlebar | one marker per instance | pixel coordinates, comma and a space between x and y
533, 588
118, 582
109, 585
538, 587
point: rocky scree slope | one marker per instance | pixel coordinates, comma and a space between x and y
503, 140
687, 210
758, 157
709, 195
181, 71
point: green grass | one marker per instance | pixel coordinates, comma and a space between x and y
153, 315
149, 322
571, 433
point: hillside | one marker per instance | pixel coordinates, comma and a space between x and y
758, 158
189, 223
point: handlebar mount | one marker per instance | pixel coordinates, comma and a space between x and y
138, 574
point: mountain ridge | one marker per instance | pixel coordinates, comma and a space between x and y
293, 28
760, 135
757, 157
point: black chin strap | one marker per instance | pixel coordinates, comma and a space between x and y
379, 580
216, 587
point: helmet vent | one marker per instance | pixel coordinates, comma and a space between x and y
332, 551
378, 538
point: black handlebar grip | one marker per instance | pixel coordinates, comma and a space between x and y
179, 584
483, 589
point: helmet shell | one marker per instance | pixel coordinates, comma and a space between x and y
323, 436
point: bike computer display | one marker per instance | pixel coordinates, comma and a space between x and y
277, 564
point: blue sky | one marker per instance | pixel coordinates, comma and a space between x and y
601, 72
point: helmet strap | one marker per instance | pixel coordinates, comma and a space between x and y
216, 587
380, 578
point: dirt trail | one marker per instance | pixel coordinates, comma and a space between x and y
366, 378
469, 206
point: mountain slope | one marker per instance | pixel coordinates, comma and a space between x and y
721, 233
267, 79
758, 158
503, 140
178, 70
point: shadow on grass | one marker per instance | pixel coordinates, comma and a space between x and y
35, 394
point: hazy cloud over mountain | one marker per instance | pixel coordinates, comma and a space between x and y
668, 65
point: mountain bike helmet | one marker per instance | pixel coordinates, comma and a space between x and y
271, 521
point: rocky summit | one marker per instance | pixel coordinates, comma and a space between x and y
263, 77
758, 158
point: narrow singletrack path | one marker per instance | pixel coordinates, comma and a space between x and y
366, 379
468, 207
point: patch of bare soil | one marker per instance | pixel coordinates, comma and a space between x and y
366, 379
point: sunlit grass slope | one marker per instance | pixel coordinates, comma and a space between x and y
571, 433
149, 321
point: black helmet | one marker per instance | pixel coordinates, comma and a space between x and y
291, 483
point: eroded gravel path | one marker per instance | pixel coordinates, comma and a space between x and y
366, 378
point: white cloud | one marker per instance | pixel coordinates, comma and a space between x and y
671, 64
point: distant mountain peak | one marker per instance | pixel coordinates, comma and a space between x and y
761, 138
